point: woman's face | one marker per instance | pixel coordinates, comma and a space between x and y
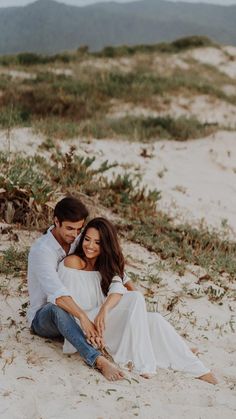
91, 243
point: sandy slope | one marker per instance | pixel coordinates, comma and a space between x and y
196, 178
37, 381
197, 182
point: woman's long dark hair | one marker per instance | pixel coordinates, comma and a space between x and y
110, 262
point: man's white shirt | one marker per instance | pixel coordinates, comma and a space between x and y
44, 283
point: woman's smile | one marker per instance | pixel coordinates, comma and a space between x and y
91, 244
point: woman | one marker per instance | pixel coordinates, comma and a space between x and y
130, 334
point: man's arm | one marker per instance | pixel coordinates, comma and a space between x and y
43, 267
68, 304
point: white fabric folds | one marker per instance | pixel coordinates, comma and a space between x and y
132, 334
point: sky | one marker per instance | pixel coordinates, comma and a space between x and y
8, 3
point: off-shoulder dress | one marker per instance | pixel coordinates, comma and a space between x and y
132, 335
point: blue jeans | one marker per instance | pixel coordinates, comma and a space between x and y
51, 321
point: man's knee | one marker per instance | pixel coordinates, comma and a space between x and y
59, 313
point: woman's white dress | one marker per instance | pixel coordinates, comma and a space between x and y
132, 334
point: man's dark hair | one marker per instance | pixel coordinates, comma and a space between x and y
70, 209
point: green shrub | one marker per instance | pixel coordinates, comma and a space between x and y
71, 170
25, 190
7, 60
12, 116
183, 243
27, 193
29, 58
13, 261
180, 44
145, 129
57, 128
194, 41
125, 196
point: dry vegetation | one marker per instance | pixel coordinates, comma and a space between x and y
62, 106
26, 199
75, 99
186, 273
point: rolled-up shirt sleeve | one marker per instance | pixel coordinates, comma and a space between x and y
116, 286
44, 263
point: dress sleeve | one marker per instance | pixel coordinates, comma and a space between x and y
116, 286
126, 278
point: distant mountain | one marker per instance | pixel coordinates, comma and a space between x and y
48, 27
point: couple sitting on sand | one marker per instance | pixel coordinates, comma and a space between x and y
78, 290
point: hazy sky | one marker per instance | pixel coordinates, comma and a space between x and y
7, 3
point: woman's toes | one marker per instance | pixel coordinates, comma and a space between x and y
209, 378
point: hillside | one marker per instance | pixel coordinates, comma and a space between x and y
145, 136
48, 27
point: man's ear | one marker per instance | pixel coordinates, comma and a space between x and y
56, 222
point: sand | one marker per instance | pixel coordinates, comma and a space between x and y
197, 182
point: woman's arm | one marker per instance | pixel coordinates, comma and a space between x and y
100, 320
68, 304
130, 286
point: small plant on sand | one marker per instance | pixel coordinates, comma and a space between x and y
25, 194
184, 244
24, 190
12, 116
126, 197
56, 128
13, 261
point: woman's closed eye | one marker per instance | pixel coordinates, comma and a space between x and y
87, 239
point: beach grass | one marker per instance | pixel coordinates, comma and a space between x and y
65, 105
26, 194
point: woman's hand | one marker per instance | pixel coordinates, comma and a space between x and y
100, 321
68, 304
90, 331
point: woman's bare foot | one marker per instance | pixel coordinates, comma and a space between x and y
145, 375
109, 370
209, 378
195, 351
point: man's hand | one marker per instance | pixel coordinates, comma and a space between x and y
88, 327
100, 321
91, 332
69, 305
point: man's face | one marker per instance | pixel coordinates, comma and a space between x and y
67, 231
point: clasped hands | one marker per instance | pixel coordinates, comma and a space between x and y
95, 331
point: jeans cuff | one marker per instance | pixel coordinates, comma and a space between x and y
92, 359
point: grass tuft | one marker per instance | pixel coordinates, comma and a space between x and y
13, 261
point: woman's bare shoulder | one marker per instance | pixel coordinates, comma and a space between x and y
74, 261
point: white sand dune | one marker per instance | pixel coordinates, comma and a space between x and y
38, 381
197, 180
224, 59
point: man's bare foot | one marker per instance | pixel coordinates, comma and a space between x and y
109, 370
209, 378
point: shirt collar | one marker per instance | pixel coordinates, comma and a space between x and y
56, 245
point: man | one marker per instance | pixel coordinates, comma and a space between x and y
52, 309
